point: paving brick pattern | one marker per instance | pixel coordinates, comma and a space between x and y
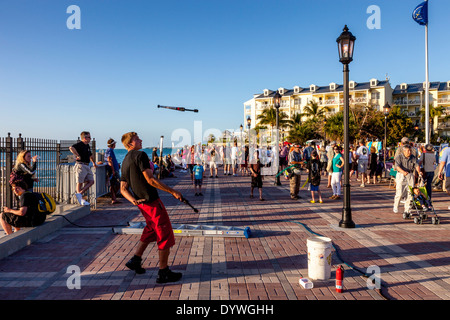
414, 260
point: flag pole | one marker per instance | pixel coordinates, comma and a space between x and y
427, 89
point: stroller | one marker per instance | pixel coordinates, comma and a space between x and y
421, 212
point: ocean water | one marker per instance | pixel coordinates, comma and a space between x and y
121, 153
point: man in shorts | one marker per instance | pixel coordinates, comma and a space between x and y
295, 158
27, 215
362, 154
444, 167
234, 158
114, 179
139, 186
83, 173
198, 178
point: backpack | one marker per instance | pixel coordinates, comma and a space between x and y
15, 176
46, 203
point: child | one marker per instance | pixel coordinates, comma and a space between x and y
198, 178
255, 169
314, 168
420, 197
212, 162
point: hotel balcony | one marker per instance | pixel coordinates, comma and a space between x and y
405, 102
443, 126
330, 102
359, 100
444, 101
340, 102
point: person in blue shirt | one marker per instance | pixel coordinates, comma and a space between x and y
444, 168
114, 179
198, 171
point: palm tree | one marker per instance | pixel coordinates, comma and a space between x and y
315, 111
296, 120
433, 112
269, 117
300, 134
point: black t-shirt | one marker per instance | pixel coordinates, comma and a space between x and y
133, 166
33, 216
314, 168
84, 151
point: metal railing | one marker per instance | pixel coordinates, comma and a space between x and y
53, 156
66, 185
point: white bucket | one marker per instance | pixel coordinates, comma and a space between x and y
319, 258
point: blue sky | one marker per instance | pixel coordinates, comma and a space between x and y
129, 56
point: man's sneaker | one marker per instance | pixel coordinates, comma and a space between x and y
166, 275
362, 185
84, 203
135, 265
79, 198
395, 210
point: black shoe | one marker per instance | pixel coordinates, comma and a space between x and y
135, 265
196, 194
217, 176
200, 194
166, 275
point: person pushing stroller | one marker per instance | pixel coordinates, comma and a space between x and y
405, 163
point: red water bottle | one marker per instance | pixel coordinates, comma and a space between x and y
339, 279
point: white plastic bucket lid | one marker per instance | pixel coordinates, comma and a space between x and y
322, 242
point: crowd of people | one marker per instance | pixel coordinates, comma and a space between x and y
317, 161
313, 160
135, 178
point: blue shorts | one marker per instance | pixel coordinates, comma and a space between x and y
314, 188
198, 182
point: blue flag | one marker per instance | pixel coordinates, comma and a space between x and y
420, 13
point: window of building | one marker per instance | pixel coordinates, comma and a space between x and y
375, 95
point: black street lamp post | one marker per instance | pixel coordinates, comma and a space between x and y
242, 141
386, 110
346, 43
277, 102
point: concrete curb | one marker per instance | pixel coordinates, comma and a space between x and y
26, 236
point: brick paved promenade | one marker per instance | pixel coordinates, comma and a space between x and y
414, 260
